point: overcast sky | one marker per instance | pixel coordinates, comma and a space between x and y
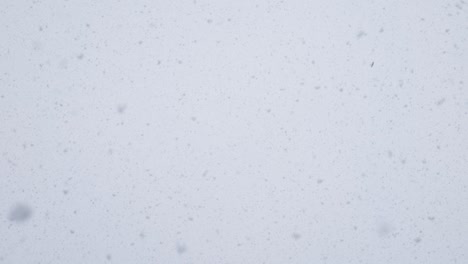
318, 131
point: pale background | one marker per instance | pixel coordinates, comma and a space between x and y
318, 131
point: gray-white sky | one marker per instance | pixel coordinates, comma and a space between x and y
234, 131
